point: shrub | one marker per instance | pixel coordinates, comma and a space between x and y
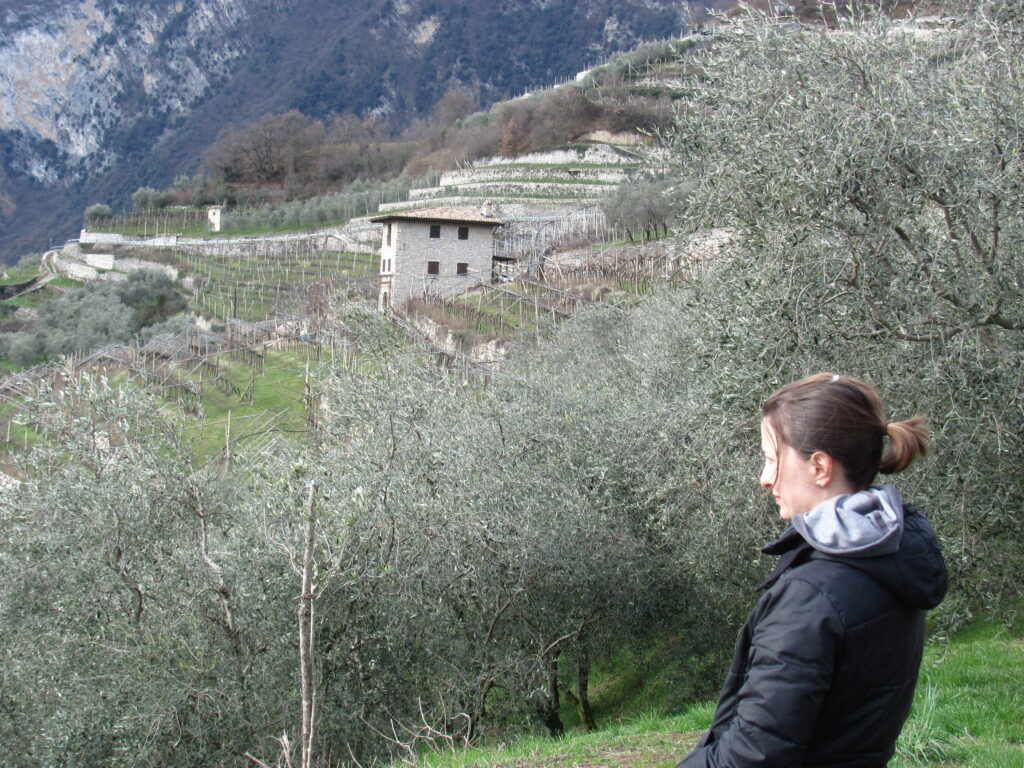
147, 199
97, 213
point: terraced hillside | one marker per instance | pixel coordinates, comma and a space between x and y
537, 185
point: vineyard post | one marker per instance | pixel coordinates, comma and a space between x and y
227, 442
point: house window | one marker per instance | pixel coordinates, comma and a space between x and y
463, 233
389, 233
462, 268
433, 267
435, 230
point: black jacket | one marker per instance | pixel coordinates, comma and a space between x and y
826, 664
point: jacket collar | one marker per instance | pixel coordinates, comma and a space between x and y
793, 550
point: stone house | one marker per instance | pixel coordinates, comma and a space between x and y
434, 252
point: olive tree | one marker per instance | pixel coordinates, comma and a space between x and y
871, 177
97, 213
145, 623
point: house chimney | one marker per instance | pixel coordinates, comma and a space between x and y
487, 209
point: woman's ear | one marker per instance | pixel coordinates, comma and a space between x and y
822, 468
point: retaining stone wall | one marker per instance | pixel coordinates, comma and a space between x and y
506, 173
595, 155
490, 352
127, 265
501, 190
524, 209
114, 269
75, 270
89, 238
100, 260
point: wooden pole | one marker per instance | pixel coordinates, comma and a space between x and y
227, 443
307, 634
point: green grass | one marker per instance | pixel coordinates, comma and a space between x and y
190, 222
64, 282
36, 299
967, 714
283, 229
276, 403
278, 392
969, 703
647, 740
14, 438
17, 275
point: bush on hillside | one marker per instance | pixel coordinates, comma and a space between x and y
147, 199
643, 208
97, 213
360, 198
95, 315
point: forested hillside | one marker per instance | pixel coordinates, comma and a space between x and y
430, 558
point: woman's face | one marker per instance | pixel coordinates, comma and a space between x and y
797, 484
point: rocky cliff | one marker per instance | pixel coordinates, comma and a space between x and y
78, 79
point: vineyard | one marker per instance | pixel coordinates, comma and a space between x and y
240, 391
256, 280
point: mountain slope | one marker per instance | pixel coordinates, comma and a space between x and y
99, 97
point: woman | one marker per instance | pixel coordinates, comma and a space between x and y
826, 664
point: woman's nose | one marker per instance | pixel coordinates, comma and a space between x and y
767, 477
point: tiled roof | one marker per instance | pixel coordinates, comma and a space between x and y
446, 213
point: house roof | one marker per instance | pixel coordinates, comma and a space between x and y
446, 213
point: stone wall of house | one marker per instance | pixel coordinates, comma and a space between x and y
412, 249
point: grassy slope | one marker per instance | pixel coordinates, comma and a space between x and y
967, 714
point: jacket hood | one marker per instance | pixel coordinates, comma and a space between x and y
872, 531
863, 524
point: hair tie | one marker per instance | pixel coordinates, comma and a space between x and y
836, 377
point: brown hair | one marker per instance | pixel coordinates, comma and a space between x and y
842, 417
